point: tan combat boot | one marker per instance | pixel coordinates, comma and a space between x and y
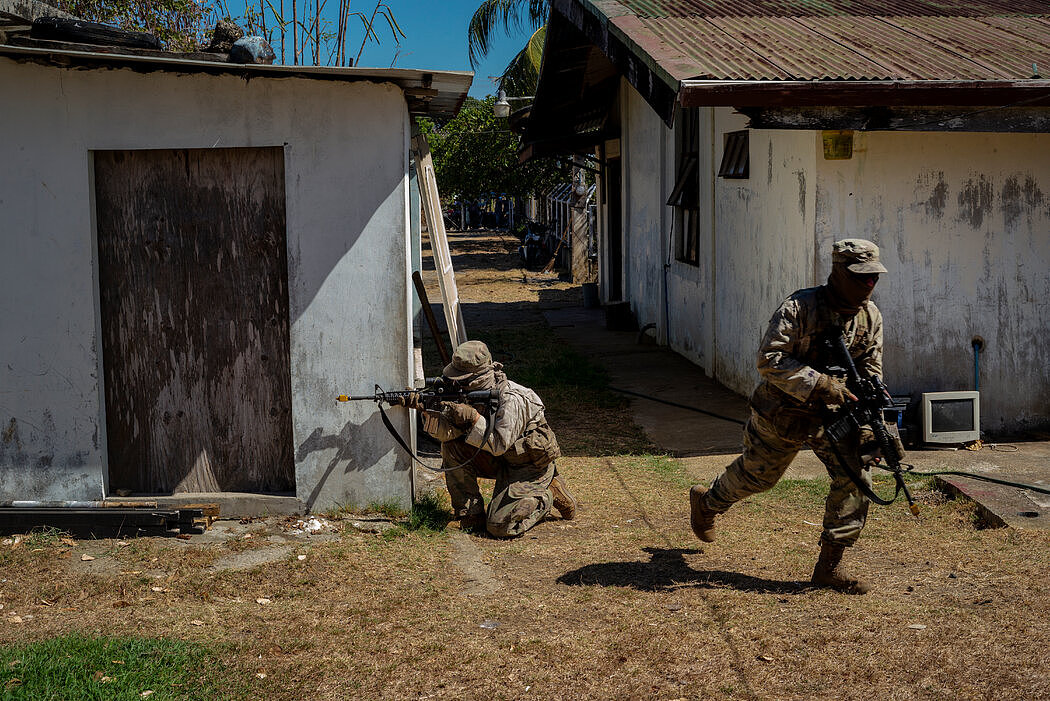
564, 501
701, 516
828, 572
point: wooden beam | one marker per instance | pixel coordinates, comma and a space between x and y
1028, 120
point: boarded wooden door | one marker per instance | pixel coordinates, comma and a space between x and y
193, 276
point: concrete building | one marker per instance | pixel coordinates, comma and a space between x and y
198, 257
737, 141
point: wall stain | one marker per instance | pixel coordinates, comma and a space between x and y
1018, 198
975, 200
1033, 196
938, 198
801, 192
769, 173
1011, 195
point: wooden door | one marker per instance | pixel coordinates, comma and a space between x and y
193, 277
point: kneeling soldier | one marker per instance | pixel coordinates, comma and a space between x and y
517, 450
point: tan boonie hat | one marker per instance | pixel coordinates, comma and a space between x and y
859, 255
470, 358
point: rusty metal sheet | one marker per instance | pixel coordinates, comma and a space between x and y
837, 39
825, 8
705, 51
1003, 50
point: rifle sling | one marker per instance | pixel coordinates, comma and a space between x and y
401, 442
861, 485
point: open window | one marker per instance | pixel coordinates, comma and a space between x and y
735, 156
685, 196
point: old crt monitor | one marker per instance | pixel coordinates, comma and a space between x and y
950, 417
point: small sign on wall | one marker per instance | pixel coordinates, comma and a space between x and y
838, 145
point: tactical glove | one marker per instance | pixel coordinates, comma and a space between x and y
832, 390
412, 400
462, 416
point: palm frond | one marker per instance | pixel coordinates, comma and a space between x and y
511, 15
521, 74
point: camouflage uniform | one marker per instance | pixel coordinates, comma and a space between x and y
519, 454
784, 418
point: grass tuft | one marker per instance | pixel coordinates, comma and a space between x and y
391, 508
429, 514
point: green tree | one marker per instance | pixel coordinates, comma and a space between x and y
476, 154
181, 24
519, 77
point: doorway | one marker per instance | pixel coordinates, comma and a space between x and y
194, 307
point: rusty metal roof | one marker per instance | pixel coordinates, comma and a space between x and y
833, 39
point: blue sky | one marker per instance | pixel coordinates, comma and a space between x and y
436, 38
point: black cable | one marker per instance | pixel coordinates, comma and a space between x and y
982, 478
676, 404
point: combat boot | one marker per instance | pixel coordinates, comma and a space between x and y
564, 501
829, 573
472, 522
701, 516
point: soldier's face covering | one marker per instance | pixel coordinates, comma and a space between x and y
849, 291
482, 380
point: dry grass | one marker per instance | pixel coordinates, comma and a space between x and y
623, 602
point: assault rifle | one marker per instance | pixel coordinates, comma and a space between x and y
431, 396
867, 410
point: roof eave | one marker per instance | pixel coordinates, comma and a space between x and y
863, 93
427, 92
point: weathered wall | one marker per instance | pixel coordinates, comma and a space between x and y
690, 288
962, 220
346, 174
763, 242
643, 143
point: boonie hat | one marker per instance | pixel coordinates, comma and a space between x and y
470, 358
859, 255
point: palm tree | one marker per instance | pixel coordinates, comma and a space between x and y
519, 78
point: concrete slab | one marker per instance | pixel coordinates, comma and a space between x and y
665, 390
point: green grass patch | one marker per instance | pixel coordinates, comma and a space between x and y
429, 514
809, 492
667, 468
391, 508
78, 667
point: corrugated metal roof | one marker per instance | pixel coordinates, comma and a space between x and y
836, 39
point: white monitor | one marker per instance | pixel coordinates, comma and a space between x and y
951, 417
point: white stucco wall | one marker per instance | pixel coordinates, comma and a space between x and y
690, 288
963, 221
763, 242
643, 144
347, 231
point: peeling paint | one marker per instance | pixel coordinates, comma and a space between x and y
975, 200
769, 167
801, 193
1018, 199
938, 198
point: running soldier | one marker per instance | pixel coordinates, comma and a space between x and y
788, 406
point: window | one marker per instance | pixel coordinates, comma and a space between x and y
685, 197
735, 155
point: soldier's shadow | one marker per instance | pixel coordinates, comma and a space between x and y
667, 570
